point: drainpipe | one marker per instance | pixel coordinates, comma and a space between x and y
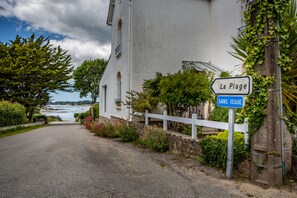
281, 109
130, 54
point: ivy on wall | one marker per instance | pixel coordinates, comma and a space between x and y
267, 12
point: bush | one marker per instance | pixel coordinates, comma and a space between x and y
128, 134
94, 110
214, 149
155, 138
12, 114
37, 116
53, 118
76, 115
219, 114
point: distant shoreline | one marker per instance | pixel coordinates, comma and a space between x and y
84, 102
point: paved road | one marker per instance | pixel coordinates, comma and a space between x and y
67, 161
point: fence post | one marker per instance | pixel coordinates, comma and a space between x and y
194, 127
146, 121
165, 121
246, 135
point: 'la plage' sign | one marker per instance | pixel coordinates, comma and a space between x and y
232, 86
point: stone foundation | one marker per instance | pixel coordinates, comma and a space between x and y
183, 144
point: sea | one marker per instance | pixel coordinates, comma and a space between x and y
65, 112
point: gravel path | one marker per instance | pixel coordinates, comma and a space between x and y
67, 161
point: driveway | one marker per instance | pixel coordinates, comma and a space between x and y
68, 161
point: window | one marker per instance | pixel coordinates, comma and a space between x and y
118, 100
104, 89
118, 49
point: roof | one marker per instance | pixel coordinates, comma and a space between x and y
110, 12
202, 66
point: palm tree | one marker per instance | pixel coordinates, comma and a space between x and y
289, 77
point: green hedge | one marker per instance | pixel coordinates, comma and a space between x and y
94, 110
38, 116
214, 149
12, 114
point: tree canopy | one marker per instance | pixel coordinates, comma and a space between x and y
30, 69
87, 77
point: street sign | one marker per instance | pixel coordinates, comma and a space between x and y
232, 86
231, 102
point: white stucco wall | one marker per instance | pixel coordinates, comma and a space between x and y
116, 65
164, 33
225, 19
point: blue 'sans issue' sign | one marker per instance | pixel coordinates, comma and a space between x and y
230, 101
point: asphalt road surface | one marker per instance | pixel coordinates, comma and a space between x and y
68, 161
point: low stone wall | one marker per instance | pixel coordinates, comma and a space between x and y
180, 143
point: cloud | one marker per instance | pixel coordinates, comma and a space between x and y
82, 50
81, 23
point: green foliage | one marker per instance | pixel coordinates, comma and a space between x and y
141, 101
30, 69
219, 114
53, 118
155, 138
39, 116
250, 47
128, 134
176, 91
12, 114
87, 77
186, 88
84, 115
291, 121
94, 110
76, 115
214, 150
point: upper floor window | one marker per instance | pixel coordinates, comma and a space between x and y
118, 50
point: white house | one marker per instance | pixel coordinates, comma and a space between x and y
150, 36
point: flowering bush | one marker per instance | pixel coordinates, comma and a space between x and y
155, 138
88, 125
89, 118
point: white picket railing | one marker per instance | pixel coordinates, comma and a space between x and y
243, 128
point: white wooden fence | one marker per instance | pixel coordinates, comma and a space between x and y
243, 128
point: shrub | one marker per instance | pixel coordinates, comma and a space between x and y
76, 115
94, 110
155, 138
128, 134
214, 149
88, 125
36, 116
12, 114
219, 114
53, 118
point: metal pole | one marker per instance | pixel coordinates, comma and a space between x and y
194, 127
230, 144
146, 120
165, 123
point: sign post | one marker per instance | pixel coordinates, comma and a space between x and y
230, 93
230, 155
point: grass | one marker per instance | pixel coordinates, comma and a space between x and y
18, 130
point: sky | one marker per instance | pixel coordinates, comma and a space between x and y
78, 26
